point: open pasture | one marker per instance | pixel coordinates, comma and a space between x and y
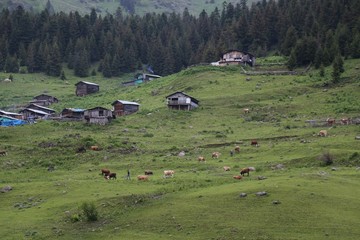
311, 182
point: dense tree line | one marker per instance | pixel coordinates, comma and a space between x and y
306, 31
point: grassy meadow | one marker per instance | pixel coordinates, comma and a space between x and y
306, 198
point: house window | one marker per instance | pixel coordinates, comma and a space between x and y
101, 113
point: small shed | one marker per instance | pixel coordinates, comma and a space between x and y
49, 111
141, 78
72, 113
181, 101
98, 115
11, 114
84, 88
44, 100
122, 107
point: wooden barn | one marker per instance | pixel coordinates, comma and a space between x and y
84, 88
98, 115
72, 113
181, 101
235, 57
44, 100
41, 108
11, 114
122, 107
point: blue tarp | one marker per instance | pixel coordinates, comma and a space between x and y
7, 122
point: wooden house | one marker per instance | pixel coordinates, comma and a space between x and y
181, 101
32, 114
11, 114
122, 107
83, 88
235, 57
34, 106
141, 78
98, 115
44, 100
72, 113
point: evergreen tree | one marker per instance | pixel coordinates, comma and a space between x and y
291, 63
53, 64
337, 69
106, 66
81, 63
12, 64
62, 76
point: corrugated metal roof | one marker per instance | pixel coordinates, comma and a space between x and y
126, 102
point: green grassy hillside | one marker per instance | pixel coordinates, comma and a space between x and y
306, 199
109, 6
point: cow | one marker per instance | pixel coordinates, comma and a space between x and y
246, 110
3, 153
226, 168
237, 177
95, 148
330, 121
215, 155
148, 172
143, 177
169, 173
345, 121
201, 159
111, 176
254, 143
322, 133
245, 170
237, 149
105, 172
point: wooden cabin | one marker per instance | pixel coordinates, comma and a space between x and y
235, 57
72, 113
11, 114
44, 100
84, 88
181, 101
41, 108
122, 107
98, 115
32, 114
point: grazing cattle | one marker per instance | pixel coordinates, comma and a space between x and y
201, 159
226, 168
111, 176
3, 153
169, 173
330, 121
237, 177
237, 149
322, 133
105, 172
143, 177
246, 110
95, 148
345, 121
215, 155
148, 172
245, 170
254, 143
251, 169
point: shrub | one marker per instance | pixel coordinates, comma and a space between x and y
326, 158
89, 211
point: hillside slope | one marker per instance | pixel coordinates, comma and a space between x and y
110, 6
307, 197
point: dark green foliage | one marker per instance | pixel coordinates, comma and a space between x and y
89, 211
338, 69
326, 158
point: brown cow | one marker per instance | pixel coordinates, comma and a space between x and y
322, 133
215, 155
254, 143
237, 177
201, 159
143, 177
111, 176
3, 153
148, 172
330, 121
345, 121
237, 149
245, 170
95, 148
105, 172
